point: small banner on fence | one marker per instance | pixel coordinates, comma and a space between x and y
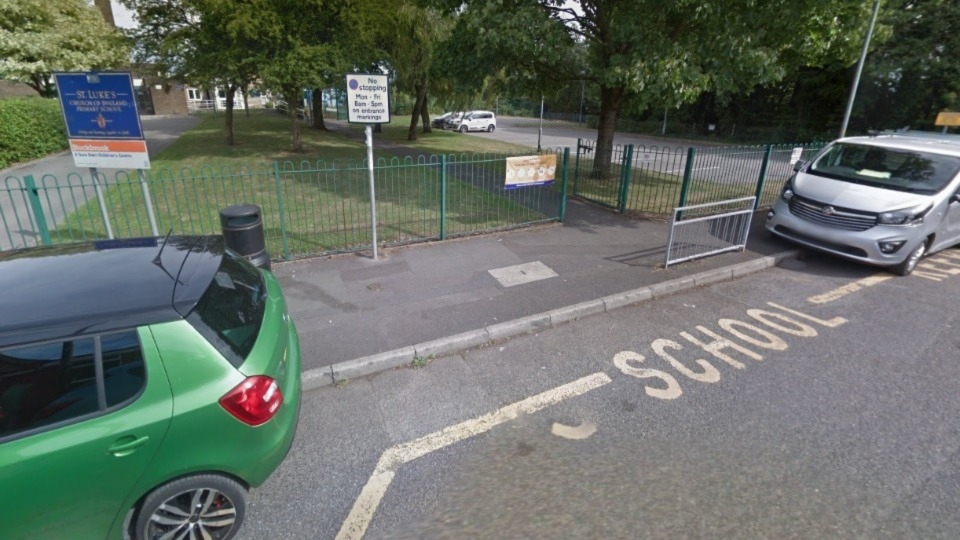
110, 154
526, 171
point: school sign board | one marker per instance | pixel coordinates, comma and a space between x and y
103, 124
368, 99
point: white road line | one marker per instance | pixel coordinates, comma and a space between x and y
355, 526
696, 169
849, 288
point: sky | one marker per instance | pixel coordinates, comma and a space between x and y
122, 16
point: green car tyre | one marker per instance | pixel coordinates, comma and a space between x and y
202, 506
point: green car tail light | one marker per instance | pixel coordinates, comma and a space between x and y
254, 401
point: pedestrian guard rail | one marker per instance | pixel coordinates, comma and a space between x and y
702, 230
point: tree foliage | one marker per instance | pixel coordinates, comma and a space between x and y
657, 53
914, 74
30, 128
320, 39
40, 37
411, 39
209, 43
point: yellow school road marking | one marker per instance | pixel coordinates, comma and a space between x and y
938, 268
849, 288
355, 526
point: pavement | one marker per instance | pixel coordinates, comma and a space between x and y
357, 316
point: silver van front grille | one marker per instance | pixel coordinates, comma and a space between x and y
831, 216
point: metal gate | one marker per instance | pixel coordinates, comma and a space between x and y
709, 229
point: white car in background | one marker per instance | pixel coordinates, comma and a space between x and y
475, 121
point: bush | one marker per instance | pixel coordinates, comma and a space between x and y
30, 128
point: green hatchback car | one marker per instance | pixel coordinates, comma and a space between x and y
145, 385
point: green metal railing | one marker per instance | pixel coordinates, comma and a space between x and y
308, 208
655, 180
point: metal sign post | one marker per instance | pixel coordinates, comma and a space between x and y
95, 176
373, 191
148, 202
368, 102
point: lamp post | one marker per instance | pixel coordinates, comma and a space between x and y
582, 88
540, 134
856, 79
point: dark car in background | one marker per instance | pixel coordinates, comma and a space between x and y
440, 121
145, 385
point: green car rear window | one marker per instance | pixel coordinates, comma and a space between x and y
230, 311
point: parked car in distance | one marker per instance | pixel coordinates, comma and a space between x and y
453, 121
145, 385
440, 121
886, 200
476, 121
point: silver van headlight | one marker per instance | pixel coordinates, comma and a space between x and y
908, 216
787, 192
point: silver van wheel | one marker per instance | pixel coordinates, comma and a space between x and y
906, 267
463, 129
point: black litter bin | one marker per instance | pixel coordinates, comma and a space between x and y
243, 232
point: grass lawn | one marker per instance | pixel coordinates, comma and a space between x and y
312, 202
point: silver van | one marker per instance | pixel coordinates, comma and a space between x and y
885, 200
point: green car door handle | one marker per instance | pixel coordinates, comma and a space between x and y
126, 446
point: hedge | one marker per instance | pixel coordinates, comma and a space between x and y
30, 128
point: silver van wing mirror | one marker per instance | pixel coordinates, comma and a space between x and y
799, 165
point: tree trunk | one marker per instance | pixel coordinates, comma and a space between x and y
43, 85
246, 101
610, 100
231, 89
425, 114
415, 115
292, 97
317, 99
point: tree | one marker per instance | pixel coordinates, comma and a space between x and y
321, 41
411, 42
290, 46
210, 43
662, 53
40, 37
228, 46
914, 74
